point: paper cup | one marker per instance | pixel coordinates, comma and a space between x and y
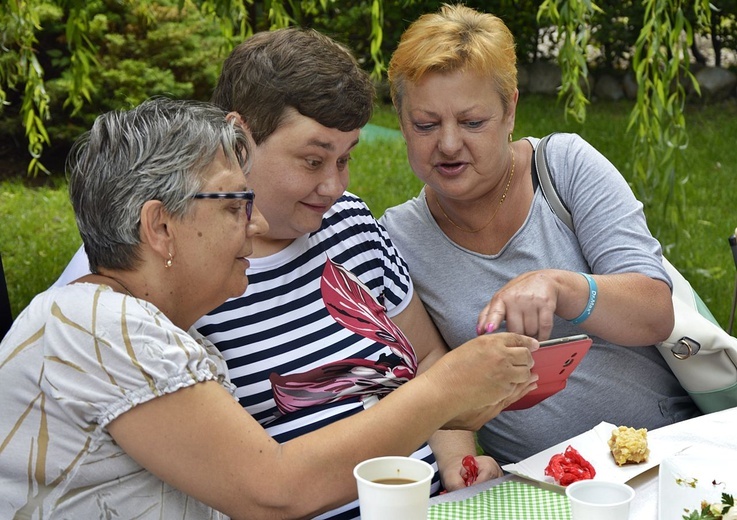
393, 488
600, 500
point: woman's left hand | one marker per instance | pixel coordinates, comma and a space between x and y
456, 476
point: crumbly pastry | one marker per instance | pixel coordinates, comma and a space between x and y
629, 446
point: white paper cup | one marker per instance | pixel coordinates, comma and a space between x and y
384, 501
599, 500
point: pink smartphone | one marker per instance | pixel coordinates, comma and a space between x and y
554, 362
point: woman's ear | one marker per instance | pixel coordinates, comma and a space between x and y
512, 109
239, 121
156, 228
235, 116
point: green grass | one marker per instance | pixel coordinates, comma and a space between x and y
38, 235
37, 238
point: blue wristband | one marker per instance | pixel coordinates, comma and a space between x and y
593, 292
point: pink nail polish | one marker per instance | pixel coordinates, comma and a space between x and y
479, 330
490, 328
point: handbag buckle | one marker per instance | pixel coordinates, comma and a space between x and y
685, 348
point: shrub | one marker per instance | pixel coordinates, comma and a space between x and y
138, 53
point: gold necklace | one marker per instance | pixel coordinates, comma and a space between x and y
493, 216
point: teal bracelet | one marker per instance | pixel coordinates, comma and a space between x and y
593, 292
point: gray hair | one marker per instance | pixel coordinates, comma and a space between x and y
159, 150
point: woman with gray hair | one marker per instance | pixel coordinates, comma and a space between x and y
111, 409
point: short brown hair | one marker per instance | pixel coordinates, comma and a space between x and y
298, 68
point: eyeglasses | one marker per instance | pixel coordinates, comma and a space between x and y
248, 196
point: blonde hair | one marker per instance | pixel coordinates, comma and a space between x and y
455, 38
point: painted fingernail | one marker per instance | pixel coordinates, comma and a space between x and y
490, 328
479, 330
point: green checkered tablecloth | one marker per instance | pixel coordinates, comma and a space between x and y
507, 501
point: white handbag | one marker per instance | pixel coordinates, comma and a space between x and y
701, 354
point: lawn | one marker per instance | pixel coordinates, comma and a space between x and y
38, 235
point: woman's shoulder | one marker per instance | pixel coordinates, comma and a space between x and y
96, 310
348, 210
59, 301
559, 139
406, 213
109, 334
349, 201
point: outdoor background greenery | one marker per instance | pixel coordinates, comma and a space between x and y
62, 62
38, 235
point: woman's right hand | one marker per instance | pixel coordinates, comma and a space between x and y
528, 303
483, 376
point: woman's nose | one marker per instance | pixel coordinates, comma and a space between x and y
257, 225
449, 140
333, 184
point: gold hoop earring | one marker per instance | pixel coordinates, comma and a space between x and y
168, 263
510, 137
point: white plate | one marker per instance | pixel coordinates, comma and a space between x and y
687, 478
592, 445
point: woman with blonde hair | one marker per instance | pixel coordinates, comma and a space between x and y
487, 254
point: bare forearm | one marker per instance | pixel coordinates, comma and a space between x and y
448, 445
631, 309
397, 425
628, 309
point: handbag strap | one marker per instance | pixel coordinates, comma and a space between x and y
733, 245
541, 177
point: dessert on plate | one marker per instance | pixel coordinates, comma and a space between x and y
628, 445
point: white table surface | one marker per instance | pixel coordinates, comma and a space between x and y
715, 430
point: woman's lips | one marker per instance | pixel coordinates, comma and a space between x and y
455, 168
317, 208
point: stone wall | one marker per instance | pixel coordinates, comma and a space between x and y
717, 84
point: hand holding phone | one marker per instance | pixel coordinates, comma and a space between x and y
554, 362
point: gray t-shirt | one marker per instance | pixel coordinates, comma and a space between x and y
623, 386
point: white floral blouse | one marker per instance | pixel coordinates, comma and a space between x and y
78, 357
